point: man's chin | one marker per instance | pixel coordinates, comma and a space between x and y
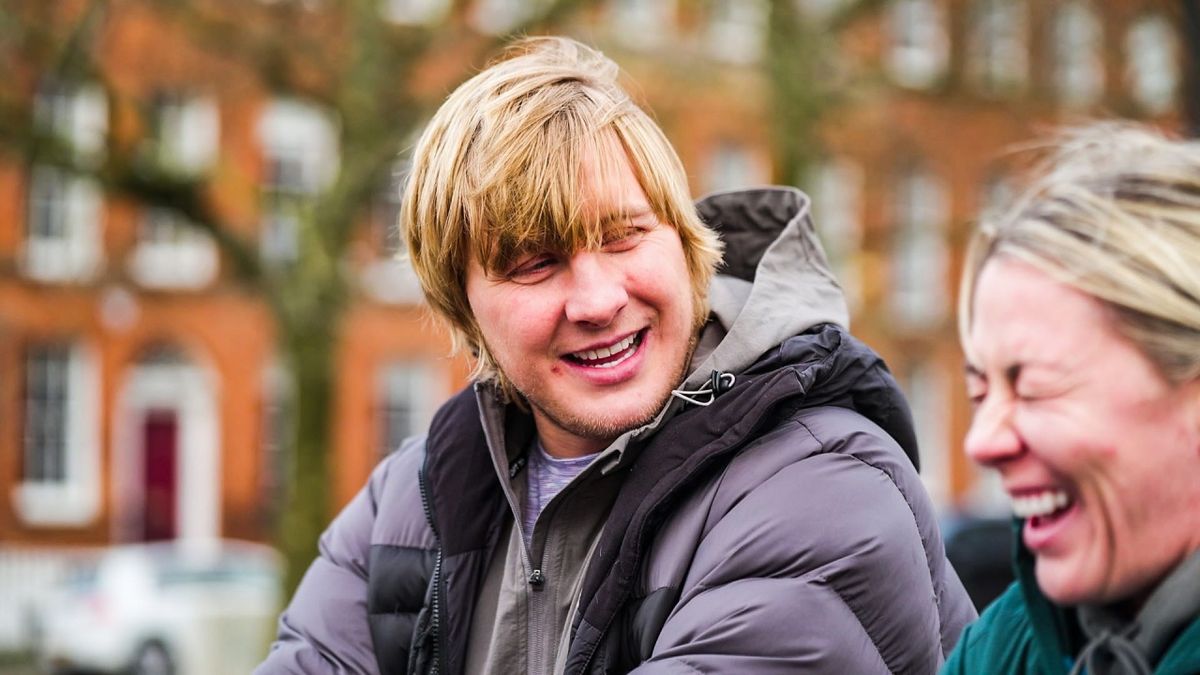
599, 426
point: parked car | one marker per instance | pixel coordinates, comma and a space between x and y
169, 608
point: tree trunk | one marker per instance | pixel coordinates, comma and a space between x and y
309, 346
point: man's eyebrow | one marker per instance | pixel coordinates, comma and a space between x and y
624, 213
971, 371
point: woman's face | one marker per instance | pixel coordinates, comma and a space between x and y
1100, 454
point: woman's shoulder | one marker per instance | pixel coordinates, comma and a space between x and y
1003, 640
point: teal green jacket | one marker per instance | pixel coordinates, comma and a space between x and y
1022, 632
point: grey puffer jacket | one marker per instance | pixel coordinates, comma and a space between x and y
781, 528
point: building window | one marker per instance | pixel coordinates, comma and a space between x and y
389, 278
1075, 43
732, 165
920, 256
74, 114
186, 132
300, 155
63, 238
407, 398
820, 10
998, 53
1152, 63
497, 17
278, 417
63, 233
171, 253
737, 30
998, 194
414, 11
46, 383
925, 388
919, 46
641, 24
836, 188
59, 472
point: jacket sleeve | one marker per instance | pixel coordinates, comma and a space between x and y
817, 567
324, 628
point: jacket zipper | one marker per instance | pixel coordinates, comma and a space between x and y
537, 578
435, 580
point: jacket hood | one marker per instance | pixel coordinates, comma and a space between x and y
774, 282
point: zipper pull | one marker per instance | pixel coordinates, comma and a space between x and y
537, 580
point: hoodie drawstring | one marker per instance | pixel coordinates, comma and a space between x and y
718, 383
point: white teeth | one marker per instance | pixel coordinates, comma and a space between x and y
605, 352
1040, 504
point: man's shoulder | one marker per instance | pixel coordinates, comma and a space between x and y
398, 469
831, 487
395, 493
812, 437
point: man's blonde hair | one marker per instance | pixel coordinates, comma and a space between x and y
496, 175
1115, 214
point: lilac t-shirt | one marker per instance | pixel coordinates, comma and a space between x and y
547, 476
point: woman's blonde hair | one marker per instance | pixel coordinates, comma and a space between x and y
1114, 213
496, 174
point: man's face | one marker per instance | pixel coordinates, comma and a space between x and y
595, 341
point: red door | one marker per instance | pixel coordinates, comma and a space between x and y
160, 439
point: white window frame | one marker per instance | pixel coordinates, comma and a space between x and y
1152, 63
999, 48
420, 385
737, 30
414, 12
74, 500
171, 254
920, 47
302, 136
1076, 39
74, 252
642, 24
837, 208
76, 114
188, 132
497, 17
925, 386
920, 256
997, 194
732, 165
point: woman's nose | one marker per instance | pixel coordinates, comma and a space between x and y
992, 437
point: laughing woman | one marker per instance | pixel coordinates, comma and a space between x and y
1080, 319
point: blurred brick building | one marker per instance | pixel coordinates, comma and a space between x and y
140, 393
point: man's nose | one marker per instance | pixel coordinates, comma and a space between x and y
992, 438
597, 289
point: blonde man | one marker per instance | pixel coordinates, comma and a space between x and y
659, 468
